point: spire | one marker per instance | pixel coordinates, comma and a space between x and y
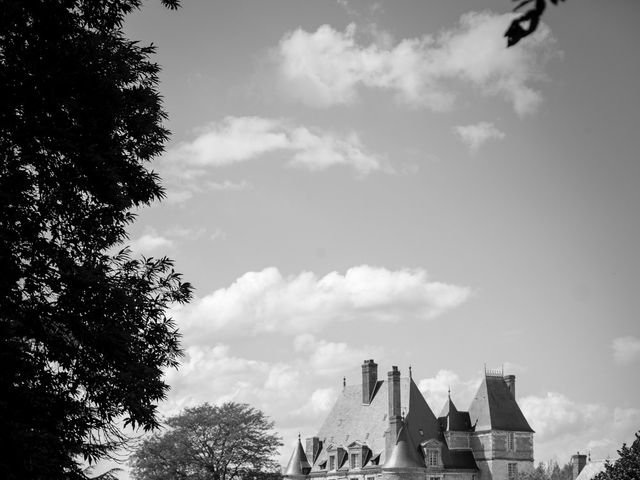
298, 465
410, 375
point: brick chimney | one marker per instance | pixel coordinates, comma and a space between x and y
369, 380
577, 464
395, 419
313, 446
511, 383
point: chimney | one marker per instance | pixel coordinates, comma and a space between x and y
511, 383
312, 448
395, 420
369, 380
577, 464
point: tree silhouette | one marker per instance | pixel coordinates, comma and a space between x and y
626, 467
528, 22
84, 333
228, 442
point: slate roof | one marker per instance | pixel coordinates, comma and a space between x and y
451, 419
298, 464
350, 420
495, 408
404, 454
591, 470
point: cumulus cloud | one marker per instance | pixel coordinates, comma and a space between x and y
285, 391
626, 350
474, 136
328, 358
267, 301
564, 426
239, 139
327, 67
436, 390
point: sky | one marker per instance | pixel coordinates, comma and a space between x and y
351, 180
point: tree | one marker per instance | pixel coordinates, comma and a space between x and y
528, 22
227, 442
626, 467
84, 330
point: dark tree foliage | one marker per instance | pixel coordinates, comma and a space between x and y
528, 22
84, 335
626, 467
232, 441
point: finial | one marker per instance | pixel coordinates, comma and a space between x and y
344, 382
298, 436
410, 371
403, 414
449, 392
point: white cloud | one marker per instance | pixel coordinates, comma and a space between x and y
436, 390
474, 136
564, 426
239, 139
328, 358
327, 67
626, 350
266, 301
290, 393
150, 242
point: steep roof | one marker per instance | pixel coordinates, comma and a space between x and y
451, 419
591, 470
405, 453
494, 407
350, 420
298, 464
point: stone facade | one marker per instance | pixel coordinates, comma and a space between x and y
385, 430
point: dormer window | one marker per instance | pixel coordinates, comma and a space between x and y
354, 460
432, 457
332, 462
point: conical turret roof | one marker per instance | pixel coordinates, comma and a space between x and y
404, 453
298, 465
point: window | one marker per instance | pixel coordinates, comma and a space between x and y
432, 457
371, 478
332, 462
511, 442
355, 460
434, 478
512, 470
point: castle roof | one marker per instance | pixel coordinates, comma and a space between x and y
350, 420
591, 470
298, 464
405, 453
451, 419
495, 408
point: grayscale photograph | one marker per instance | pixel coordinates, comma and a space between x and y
320, 240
